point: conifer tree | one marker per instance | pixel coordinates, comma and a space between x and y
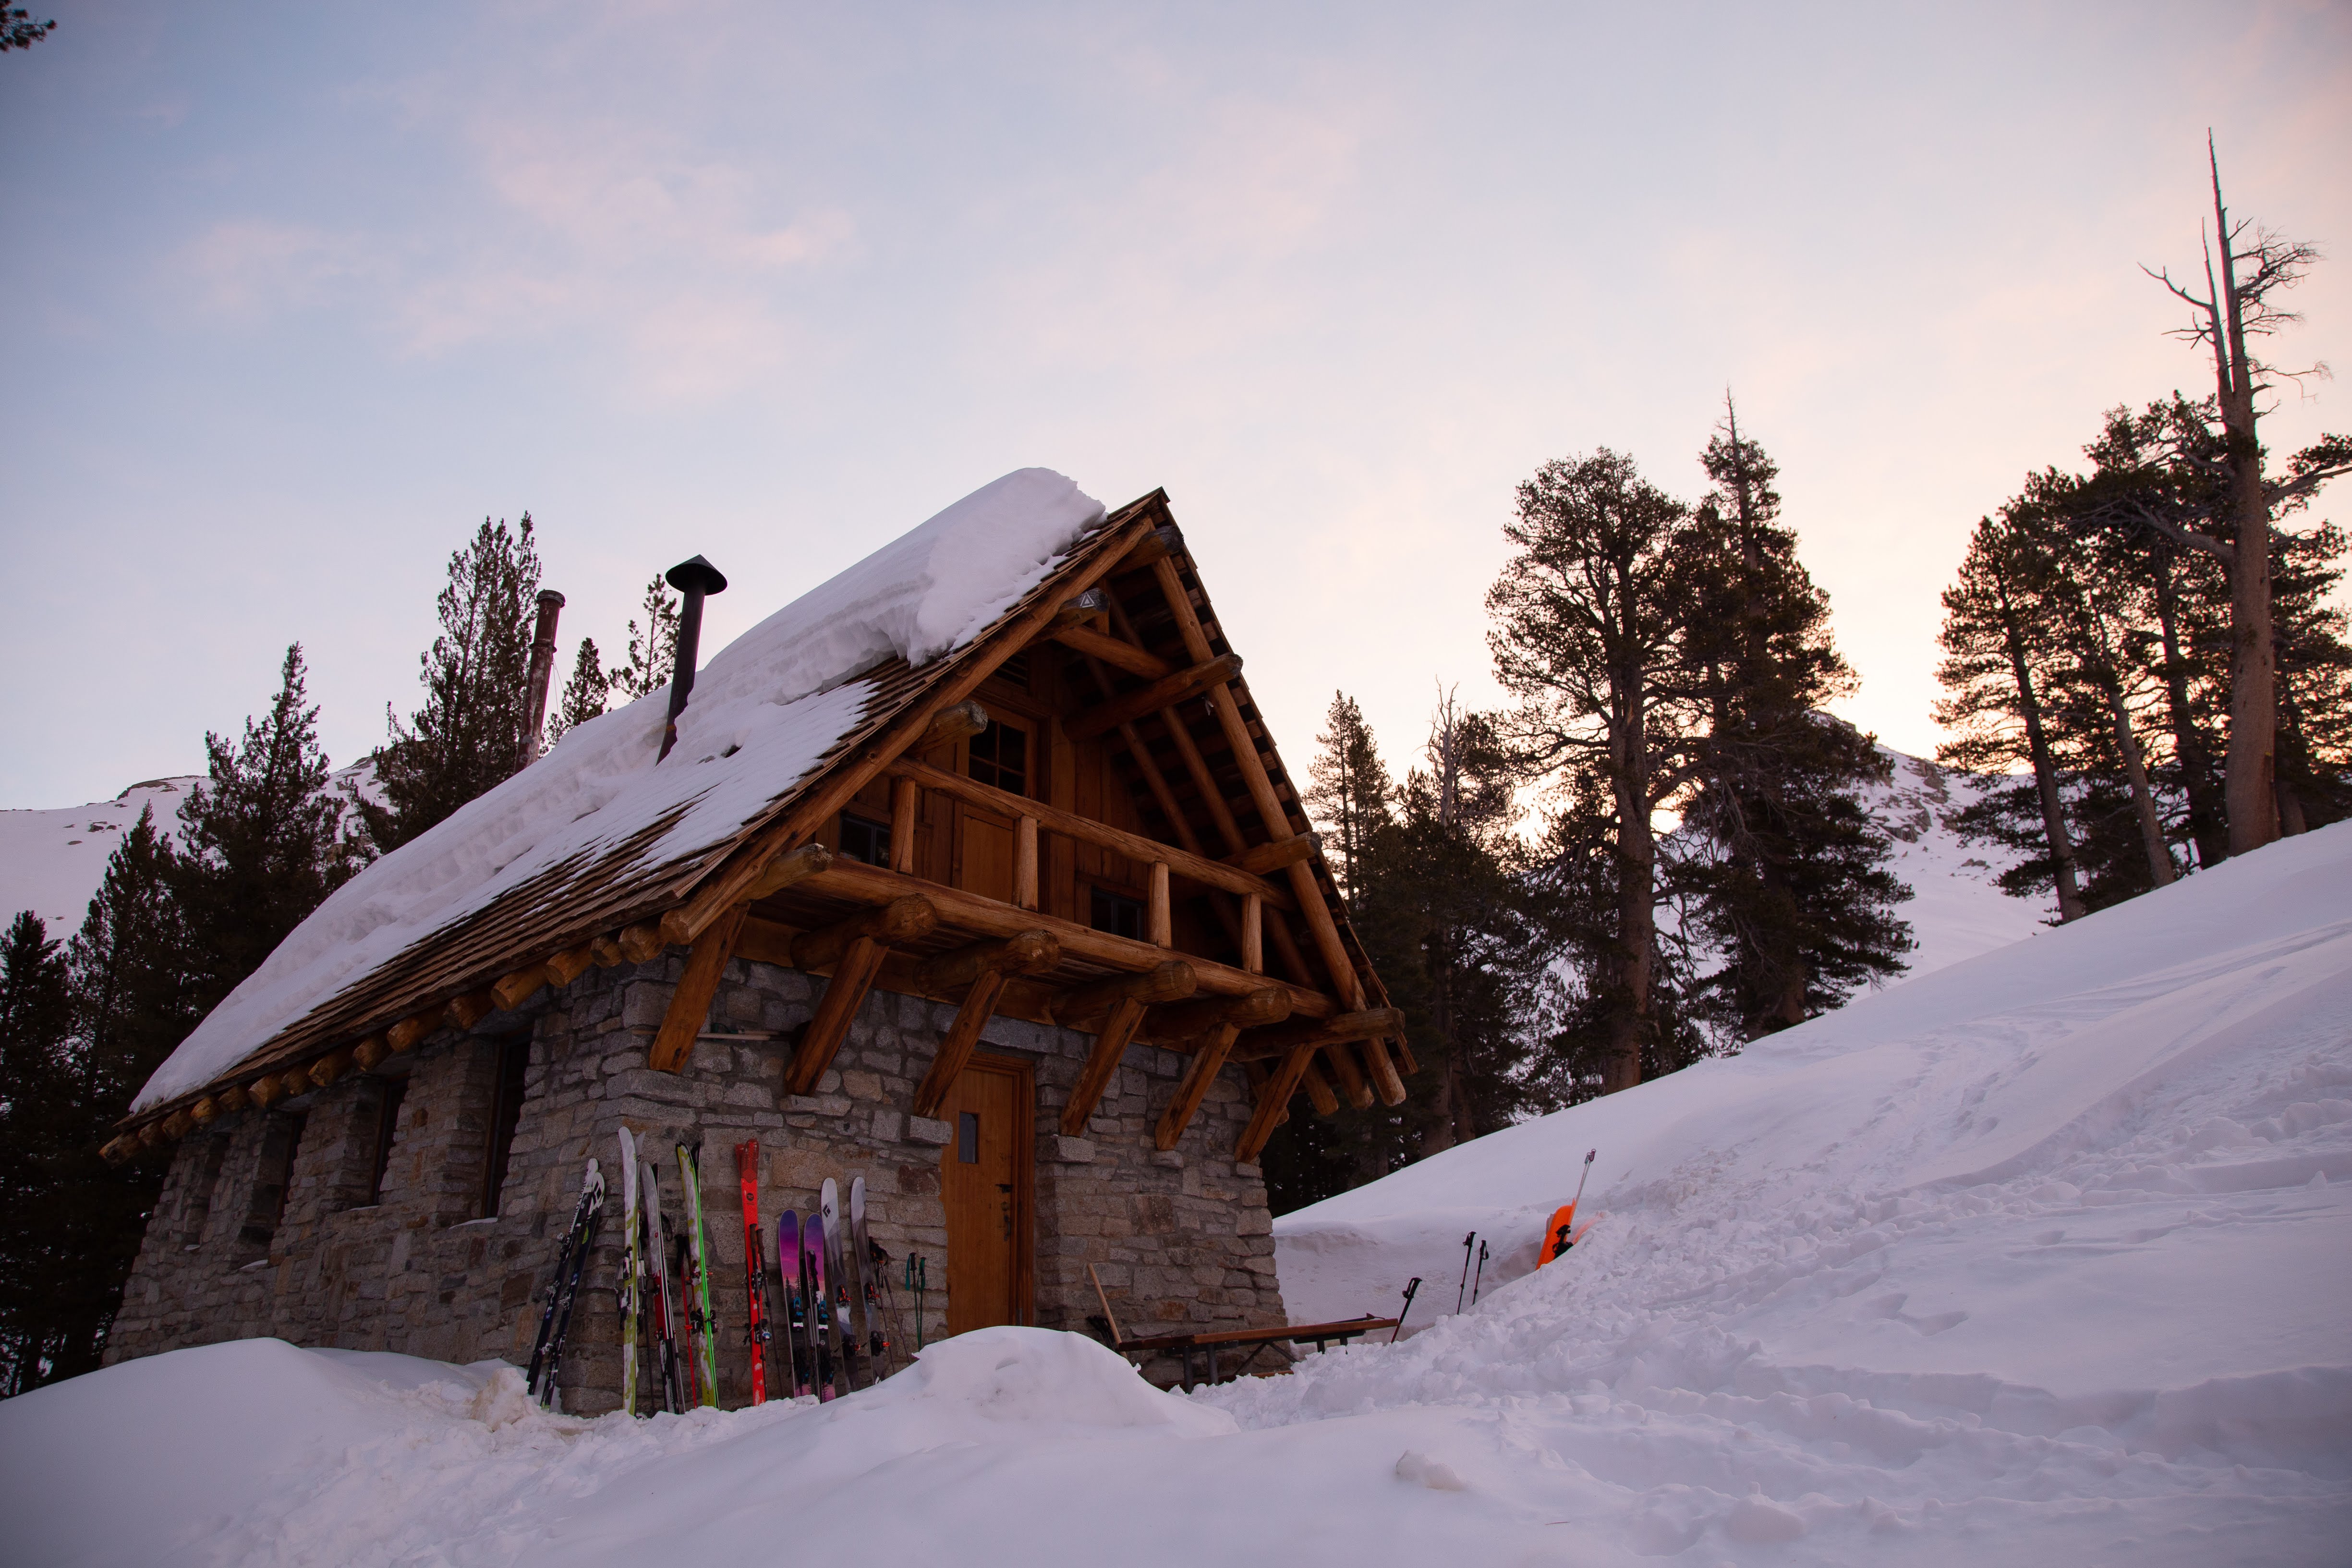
584, 694
1793, 889
1590, 622
1349, 792
1999, 649
263, 842
36, 1122
465, 738
652, 650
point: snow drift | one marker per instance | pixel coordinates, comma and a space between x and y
765, 710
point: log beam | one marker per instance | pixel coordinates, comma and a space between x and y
955, 1050
1383, 1071
1272, 1102
958, 722
1319, 1090
1191, 1020
853, 977
401, 1037
1110, 1047
511, 991
1193, 1087
1083, 638
1026, 953
900, 921
1170, 982
1369, 1024
643, 943
906, 806
1276, 855
690, 1005
465, 1012
1351, 1077
1165, 692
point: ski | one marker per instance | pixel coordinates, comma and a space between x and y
812, 1286
690, 1323
1557, 1236
626, 1288
844, 1321
755, 1269
877, 1346
706, 1322
571, 1257
665, 1318
788, 1272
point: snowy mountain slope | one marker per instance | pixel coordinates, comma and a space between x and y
1955, 912
2040, 1259
52, 861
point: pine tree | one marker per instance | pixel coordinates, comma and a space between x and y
653, 651
37, 1122
1349, 792
584, 694
263, 842
2001, 646
464, 740
1589, 623
1793, 888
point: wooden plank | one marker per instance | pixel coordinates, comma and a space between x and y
1086, 829
1272, 1102
966, 912
955, 1049
1254, 933
1102, 1064
1083, 638
1193, 1087
690, 1005
1165, 692
844, 995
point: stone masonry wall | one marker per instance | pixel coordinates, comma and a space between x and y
1180, 1239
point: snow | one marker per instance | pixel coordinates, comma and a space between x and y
52, 861
2038, 1258
765, 710
1955, 912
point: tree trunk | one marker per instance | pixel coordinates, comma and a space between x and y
2207, 830
2250, 773
2151, 827
2045, 774
1637, 860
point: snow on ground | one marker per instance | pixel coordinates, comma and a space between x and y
1955, 912
2037, 1259
765, 710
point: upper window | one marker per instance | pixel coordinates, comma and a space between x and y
513, 1066
1118, 914
1000, 756
861, 839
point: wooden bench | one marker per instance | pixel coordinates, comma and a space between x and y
1213, 1342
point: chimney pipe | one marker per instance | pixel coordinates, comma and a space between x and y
542, 671
693, 579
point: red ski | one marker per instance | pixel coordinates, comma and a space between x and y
755, 1267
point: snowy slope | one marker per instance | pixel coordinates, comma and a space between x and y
51, 862
2040, 1258
1955, 912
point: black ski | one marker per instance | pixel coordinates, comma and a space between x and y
563, 1289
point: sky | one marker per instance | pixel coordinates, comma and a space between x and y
300, 293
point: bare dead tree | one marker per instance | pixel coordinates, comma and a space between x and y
2237, 304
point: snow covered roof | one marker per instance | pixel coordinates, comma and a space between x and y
597, 833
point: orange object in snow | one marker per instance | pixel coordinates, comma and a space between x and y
1561, 1233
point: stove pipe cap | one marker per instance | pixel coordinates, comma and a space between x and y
696, 575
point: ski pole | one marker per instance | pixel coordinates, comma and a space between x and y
1409, 1290
1465, 1269
1482, 1274
917, 1279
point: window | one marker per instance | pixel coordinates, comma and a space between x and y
387, 1121
282, 1140
1116, 913
1000, 756
968, 1137
505, 1115
1014, 672
866, 840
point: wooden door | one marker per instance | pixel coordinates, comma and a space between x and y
984, 1181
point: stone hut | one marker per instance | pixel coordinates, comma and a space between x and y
972, 872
